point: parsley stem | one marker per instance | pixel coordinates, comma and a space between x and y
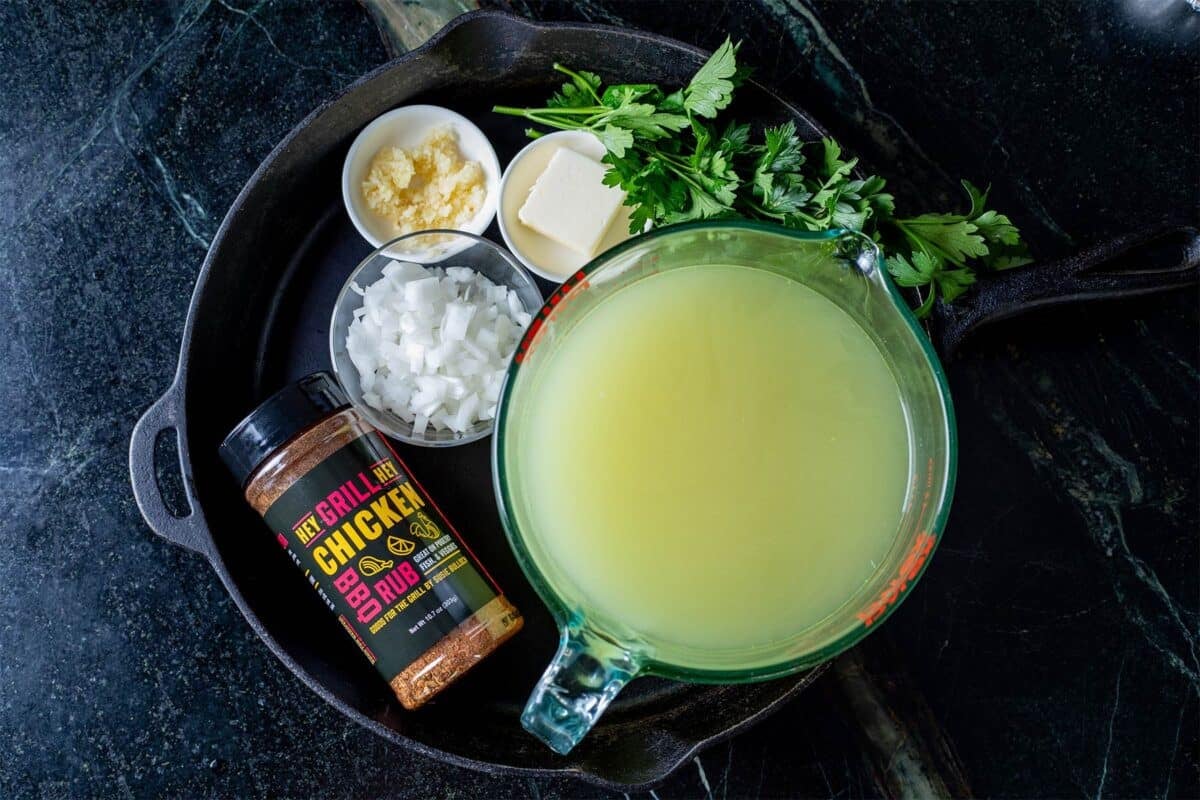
811, 222
923, 310
579, 80
537, 113
758, 209
667, 157
685, 177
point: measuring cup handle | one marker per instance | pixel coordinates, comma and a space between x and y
587, 673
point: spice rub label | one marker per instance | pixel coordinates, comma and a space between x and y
379, 553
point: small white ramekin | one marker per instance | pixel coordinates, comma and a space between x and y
406, 127
552, 261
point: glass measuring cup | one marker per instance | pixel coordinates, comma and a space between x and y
597, 654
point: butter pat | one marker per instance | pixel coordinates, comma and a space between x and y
570, 204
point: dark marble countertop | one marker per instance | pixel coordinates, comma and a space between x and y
1054, 643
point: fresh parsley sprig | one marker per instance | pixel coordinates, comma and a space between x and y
944, 251
675, 165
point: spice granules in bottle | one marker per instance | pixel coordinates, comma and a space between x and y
373, 544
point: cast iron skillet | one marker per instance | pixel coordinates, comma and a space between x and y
258, 319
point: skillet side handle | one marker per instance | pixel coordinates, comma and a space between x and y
1153, 259
189, 531
405, 26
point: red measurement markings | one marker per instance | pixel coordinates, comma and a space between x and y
909, 569
576, 281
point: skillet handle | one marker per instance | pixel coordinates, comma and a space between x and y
188, 531
405, 25
1153, 259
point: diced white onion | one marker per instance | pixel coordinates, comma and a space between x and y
431, 345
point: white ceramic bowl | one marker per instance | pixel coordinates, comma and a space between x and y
542, 255
406, 127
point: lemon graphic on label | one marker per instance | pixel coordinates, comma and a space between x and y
423, 527
370, 565
400, 547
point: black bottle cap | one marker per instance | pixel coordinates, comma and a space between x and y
293, 409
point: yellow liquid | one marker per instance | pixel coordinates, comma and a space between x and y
716, 459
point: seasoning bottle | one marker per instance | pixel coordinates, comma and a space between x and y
372, 543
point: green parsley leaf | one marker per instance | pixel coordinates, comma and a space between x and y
954, 237
673, 103
781, 150
711, 89
1008, 262
615, 140
642, 118
847, 215
882, 204
917, 272
834, 166
735, 138
619, 95
703, 206
978, 199
913, 274
786, 196
953, 282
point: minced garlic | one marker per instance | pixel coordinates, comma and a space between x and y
429, 186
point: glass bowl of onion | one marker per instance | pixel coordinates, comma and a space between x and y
422, 333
